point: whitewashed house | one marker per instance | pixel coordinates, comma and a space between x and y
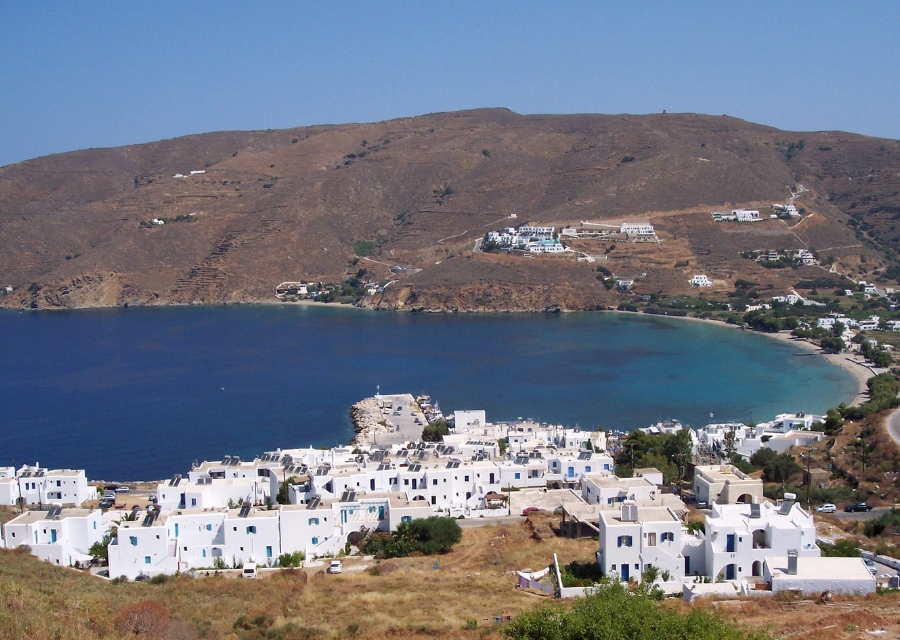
607, 490
739, 537
635, 538
40, 486
58, 536
636, 229
700, 281
746, 215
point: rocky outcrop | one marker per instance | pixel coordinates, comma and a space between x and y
367, 421
488, 297
84, 291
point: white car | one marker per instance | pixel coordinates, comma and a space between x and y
826, 508
336, 566
871, 566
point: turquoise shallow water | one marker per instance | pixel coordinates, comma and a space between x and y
140, 393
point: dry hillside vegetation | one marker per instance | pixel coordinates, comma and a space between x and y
291, 204
456, 595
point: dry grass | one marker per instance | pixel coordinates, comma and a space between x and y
414, 600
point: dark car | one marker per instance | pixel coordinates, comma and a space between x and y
858, 506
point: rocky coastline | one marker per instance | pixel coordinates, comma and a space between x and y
368, 422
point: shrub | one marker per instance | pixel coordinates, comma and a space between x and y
841, 549
614, 612
435, 534
145, 617
363, 247
628, 159
290, 559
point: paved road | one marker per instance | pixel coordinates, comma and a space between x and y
860, 515
893, 426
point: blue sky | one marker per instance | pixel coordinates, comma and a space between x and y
89, 74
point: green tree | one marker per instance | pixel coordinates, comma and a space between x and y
435, 431
501, 444
435, 534
729, 446
284, 494
99, 550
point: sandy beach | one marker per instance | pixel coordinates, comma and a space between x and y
854, 365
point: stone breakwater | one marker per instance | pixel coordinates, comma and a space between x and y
367, 421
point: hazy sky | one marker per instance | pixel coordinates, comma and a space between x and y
87, 74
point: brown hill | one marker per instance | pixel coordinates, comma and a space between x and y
285, 205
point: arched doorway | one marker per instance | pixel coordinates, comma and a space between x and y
745, 498
756, 569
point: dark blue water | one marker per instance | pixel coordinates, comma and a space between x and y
140, 393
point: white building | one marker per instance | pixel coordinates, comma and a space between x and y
59, 536
739, 537
746, 215
636, 229
812, 576
545, 246
635, 538
725, 484
469, 420
40, 486
529, 231
700, 281
607, 490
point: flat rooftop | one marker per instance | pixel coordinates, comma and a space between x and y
645, 514
811, 568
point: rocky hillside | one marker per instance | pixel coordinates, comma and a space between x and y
254, 209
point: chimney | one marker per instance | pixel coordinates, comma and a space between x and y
792, 562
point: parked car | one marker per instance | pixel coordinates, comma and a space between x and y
702, 505
858, 506
528, 510
871, 566
111, 487
109, 495
123, 490
143, 577
249, 570
826, 508
336, 566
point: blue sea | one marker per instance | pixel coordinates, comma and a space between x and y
140, 393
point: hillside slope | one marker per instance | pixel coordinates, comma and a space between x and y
274, 206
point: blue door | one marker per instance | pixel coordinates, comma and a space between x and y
625, 574
729, 543
52, 535
729, 572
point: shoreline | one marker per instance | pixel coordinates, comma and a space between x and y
860, 371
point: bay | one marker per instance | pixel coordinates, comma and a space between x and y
140, 393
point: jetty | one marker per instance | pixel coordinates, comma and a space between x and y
387, 420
